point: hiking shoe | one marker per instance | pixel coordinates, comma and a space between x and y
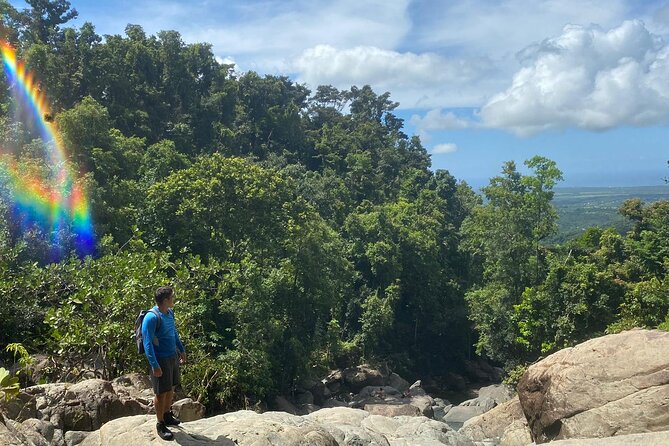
170, 419
163, 431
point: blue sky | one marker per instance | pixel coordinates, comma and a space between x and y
583, 82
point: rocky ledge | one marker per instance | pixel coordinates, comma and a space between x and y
612, 390
326, 427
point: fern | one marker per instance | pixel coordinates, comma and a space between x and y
17, 349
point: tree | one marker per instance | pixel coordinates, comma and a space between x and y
41, 23
268, 116
8, 16
84, 128
409, 305
576, 302
217, 207
505, 235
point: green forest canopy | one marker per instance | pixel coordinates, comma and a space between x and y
302, 229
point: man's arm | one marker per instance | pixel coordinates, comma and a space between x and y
148, 333
180, 346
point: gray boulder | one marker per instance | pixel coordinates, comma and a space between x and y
188, 410
490, 396
45, 414
304, 397
440, 408
23, 407
516, 434
457, 416
500, 393
484, 402
9, 436
424, 403
357, 378
493, 424
399, 383
82, 406
393, 410
608, 386
329, 404
40, 433
333, 381
379, 391
283, 405
135, 386
74, 438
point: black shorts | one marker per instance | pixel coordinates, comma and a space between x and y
170, 377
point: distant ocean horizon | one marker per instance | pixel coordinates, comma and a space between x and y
598, 179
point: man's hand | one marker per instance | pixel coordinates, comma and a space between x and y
182, 357
158, 372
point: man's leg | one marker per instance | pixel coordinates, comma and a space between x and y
161, 403
169, 417
162, 387
167, 404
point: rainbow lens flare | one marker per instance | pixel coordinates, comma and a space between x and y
54, 201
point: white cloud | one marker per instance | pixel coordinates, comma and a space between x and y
587, 78
265, 35
499, 28
435, 119
273, 37
227, 60
435, 55
415, 80
440, 149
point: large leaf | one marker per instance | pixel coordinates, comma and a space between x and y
9, 385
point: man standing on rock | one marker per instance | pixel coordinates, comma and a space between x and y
165, 352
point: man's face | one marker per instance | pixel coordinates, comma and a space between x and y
170, 301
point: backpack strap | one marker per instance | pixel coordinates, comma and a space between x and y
157, 313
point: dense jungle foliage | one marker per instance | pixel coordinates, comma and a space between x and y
301, 229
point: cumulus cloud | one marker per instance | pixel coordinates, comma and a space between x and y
435, 55
587, 78
264, 35
440, 149
270, 35
436, 119
415, 80
227, 60
500, 27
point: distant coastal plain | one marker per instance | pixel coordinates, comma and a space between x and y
580, 208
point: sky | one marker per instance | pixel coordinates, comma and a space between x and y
583, 82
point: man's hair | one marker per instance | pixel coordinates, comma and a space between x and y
162, 293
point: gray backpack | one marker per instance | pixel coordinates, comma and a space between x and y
139, 340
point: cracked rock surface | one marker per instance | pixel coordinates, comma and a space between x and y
609, 386
327, 427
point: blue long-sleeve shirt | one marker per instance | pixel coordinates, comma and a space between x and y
167, 337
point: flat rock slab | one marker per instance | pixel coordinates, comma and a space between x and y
327, 427
647, 439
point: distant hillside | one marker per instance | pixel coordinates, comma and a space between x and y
583, 207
